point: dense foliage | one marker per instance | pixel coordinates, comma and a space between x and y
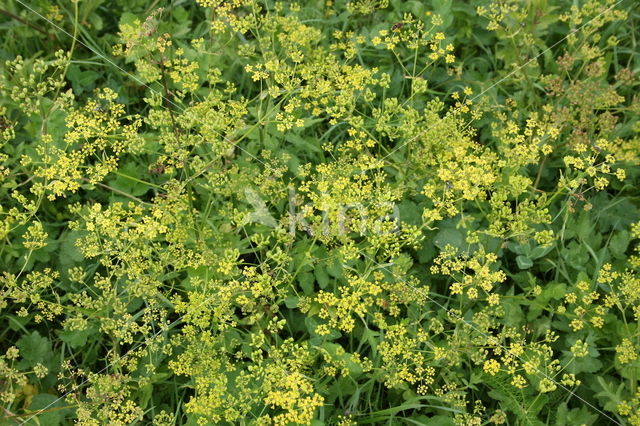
319, 212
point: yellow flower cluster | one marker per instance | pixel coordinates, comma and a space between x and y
631, 409
475, 276
306, 221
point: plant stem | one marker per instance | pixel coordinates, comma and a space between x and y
27, 23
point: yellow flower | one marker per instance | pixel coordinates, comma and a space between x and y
491, 367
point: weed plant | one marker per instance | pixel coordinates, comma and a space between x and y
319, 212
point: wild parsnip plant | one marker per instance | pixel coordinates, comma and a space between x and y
320, 212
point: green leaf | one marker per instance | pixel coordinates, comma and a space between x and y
426, 252
81, 81
334, 268
619, 243
540, 251
575, 254
146, 392
410, 213
306, 280
321, 276
75, 338
524, 262
53, 414
576, 416
550, 291
432, 421
443, 8
303, 144
610, 395
584, 226
587, 364
449, 236
69, 253
522, 249
291, 302
355, 369
129, 186
34, 349
96, 21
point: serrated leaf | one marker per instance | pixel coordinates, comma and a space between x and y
34, 349
618, 243
610, 394
306, 280
321, 276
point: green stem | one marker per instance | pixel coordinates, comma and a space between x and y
27, 23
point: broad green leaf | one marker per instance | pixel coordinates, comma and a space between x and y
321, 276
53, 410
619, 243
34, 349
524, 262
449, 236
306, 280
